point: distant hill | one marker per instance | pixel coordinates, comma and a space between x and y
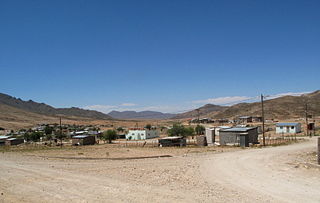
41, 108
280, 108
140, 115
203, 111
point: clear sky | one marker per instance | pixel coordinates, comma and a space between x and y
166, 55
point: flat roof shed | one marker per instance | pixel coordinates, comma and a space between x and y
83, 140
232, 135
14, 141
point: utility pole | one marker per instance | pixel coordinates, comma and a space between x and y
319, 150
306, 112
198, 111
314, 127
262, 115
60, 133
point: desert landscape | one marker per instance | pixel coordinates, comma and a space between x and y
159, 101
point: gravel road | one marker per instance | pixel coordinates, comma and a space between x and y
268, 174
265, 175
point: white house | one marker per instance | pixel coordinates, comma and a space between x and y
141, 134
288, 128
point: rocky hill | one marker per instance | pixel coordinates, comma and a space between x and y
44, 109
208, 109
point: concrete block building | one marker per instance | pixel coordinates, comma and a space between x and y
232, 135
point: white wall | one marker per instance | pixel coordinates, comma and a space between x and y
288, 129
142, 134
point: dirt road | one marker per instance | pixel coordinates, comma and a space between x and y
269, 174
265, 175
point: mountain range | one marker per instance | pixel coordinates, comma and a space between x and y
140, 115
277, 108
16, 112
42, 108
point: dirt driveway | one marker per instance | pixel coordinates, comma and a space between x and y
269, 174
264, 175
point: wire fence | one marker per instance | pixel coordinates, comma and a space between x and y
145, 143
279, 140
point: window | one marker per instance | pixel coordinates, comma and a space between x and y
281, 127
292, 127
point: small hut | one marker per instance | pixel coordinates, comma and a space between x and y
178, 141
83, 140
14, 141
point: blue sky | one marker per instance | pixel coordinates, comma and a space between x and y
169, 55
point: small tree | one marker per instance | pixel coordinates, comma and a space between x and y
33, 136
109, 135
148, 126
189, 131
177, 130
120, 129
200, 130
48, 130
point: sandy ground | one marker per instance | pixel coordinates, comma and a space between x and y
273, 174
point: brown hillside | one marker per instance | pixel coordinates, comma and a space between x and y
280, 108
203, 111
15, 118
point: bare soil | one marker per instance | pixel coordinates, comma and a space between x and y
211, 174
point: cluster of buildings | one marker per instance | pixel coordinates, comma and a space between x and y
243, 135
240, 133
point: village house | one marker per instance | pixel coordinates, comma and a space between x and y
142, 133
288, 128
242, 136
245, 119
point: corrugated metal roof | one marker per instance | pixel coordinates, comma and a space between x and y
171, 138
287, 124
80, 136
10, 139
244, 117
237, 129
4, 137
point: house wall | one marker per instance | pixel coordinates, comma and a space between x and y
136, 135
180, 142
152, 134
142, 134
14, 142
90, 140
226, 137
288, 129
210, 135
